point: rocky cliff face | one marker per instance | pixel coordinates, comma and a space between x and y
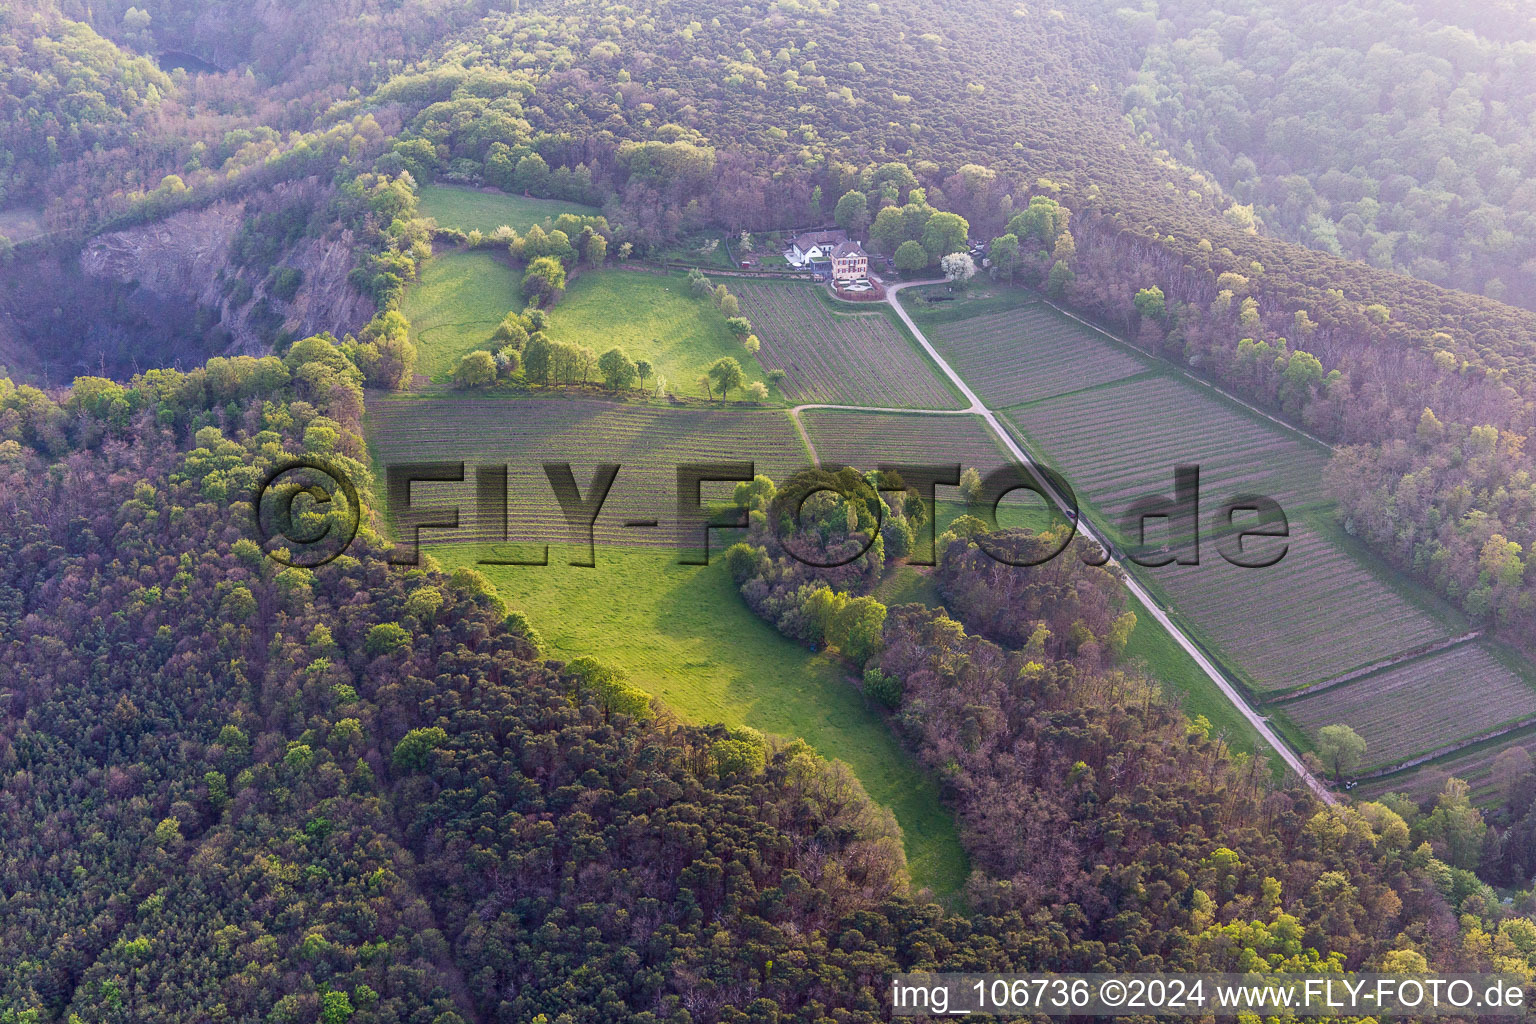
182, 255
188, 256
326, 301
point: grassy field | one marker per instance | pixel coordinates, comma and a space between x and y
455, 307
461, 297
469, 209
684, 634
651, 317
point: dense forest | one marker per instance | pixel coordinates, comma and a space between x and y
233, 790
1375, 130
65, 91
236, 790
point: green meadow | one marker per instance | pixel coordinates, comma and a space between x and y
683, 634
461, 296
651, 317
470, 209
455, 306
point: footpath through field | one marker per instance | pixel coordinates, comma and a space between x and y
1258, 721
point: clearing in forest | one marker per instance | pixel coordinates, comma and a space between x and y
652, 317
683, 634
19, 223
485, 210
456, 306
462, 296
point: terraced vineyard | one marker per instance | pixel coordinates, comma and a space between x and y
1120, 443
1475, 766
1117, 426
1023, 355
853, 358
1315, 615
1396, 709
865, 439
647, 442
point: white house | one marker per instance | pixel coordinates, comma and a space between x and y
813, 245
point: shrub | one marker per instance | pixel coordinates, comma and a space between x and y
414, 752
742, 561
518, 624
888, 690
613, 691
738, 758
386, 638
476, 369
286, 282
